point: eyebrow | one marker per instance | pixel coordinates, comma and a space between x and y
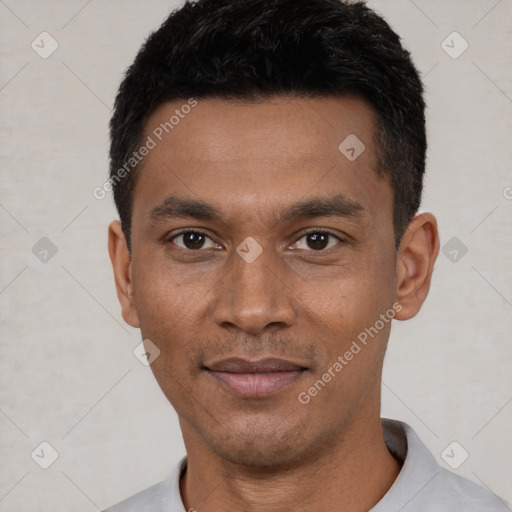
176, 207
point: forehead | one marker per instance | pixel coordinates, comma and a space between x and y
300, 127
248, 157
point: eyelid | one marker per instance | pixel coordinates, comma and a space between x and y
189, 230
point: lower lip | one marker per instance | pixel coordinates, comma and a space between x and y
256, 385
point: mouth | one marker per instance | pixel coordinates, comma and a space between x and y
255, 379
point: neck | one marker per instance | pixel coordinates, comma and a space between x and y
351, 473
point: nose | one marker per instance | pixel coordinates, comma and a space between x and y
255, 295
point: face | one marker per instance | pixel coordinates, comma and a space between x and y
260, 254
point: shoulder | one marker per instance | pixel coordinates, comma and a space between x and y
424, 486
455, 492
164, 496
148, 500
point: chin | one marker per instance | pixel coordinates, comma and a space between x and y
255, 456
257, 448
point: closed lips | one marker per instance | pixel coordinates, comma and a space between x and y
255, 379
268, 365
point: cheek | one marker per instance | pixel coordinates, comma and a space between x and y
161, 302
166, 313
353, 338
160, 292
350, 295
345, 311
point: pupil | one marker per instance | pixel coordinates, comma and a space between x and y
318, 240
194, 239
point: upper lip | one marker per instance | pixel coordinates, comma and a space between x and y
267, 365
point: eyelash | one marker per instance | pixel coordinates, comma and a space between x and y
305, 233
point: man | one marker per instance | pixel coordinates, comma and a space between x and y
267, 159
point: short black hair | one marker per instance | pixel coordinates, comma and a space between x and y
253, 49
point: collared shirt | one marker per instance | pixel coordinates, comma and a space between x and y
421, 486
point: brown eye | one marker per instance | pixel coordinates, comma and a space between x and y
317, 241
192, 240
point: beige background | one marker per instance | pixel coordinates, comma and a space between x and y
69, 376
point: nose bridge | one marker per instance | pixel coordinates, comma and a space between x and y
252, 295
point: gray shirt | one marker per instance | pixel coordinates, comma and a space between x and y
421, 486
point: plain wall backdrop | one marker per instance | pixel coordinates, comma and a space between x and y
68, 373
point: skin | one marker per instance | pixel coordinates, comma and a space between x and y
298, 301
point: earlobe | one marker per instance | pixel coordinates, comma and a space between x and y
415, 262
122, 267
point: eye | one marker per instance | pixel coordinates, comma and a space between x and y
193, 240
317, 241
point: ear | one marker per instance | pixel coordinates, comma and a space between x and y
122, 266
415, 262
